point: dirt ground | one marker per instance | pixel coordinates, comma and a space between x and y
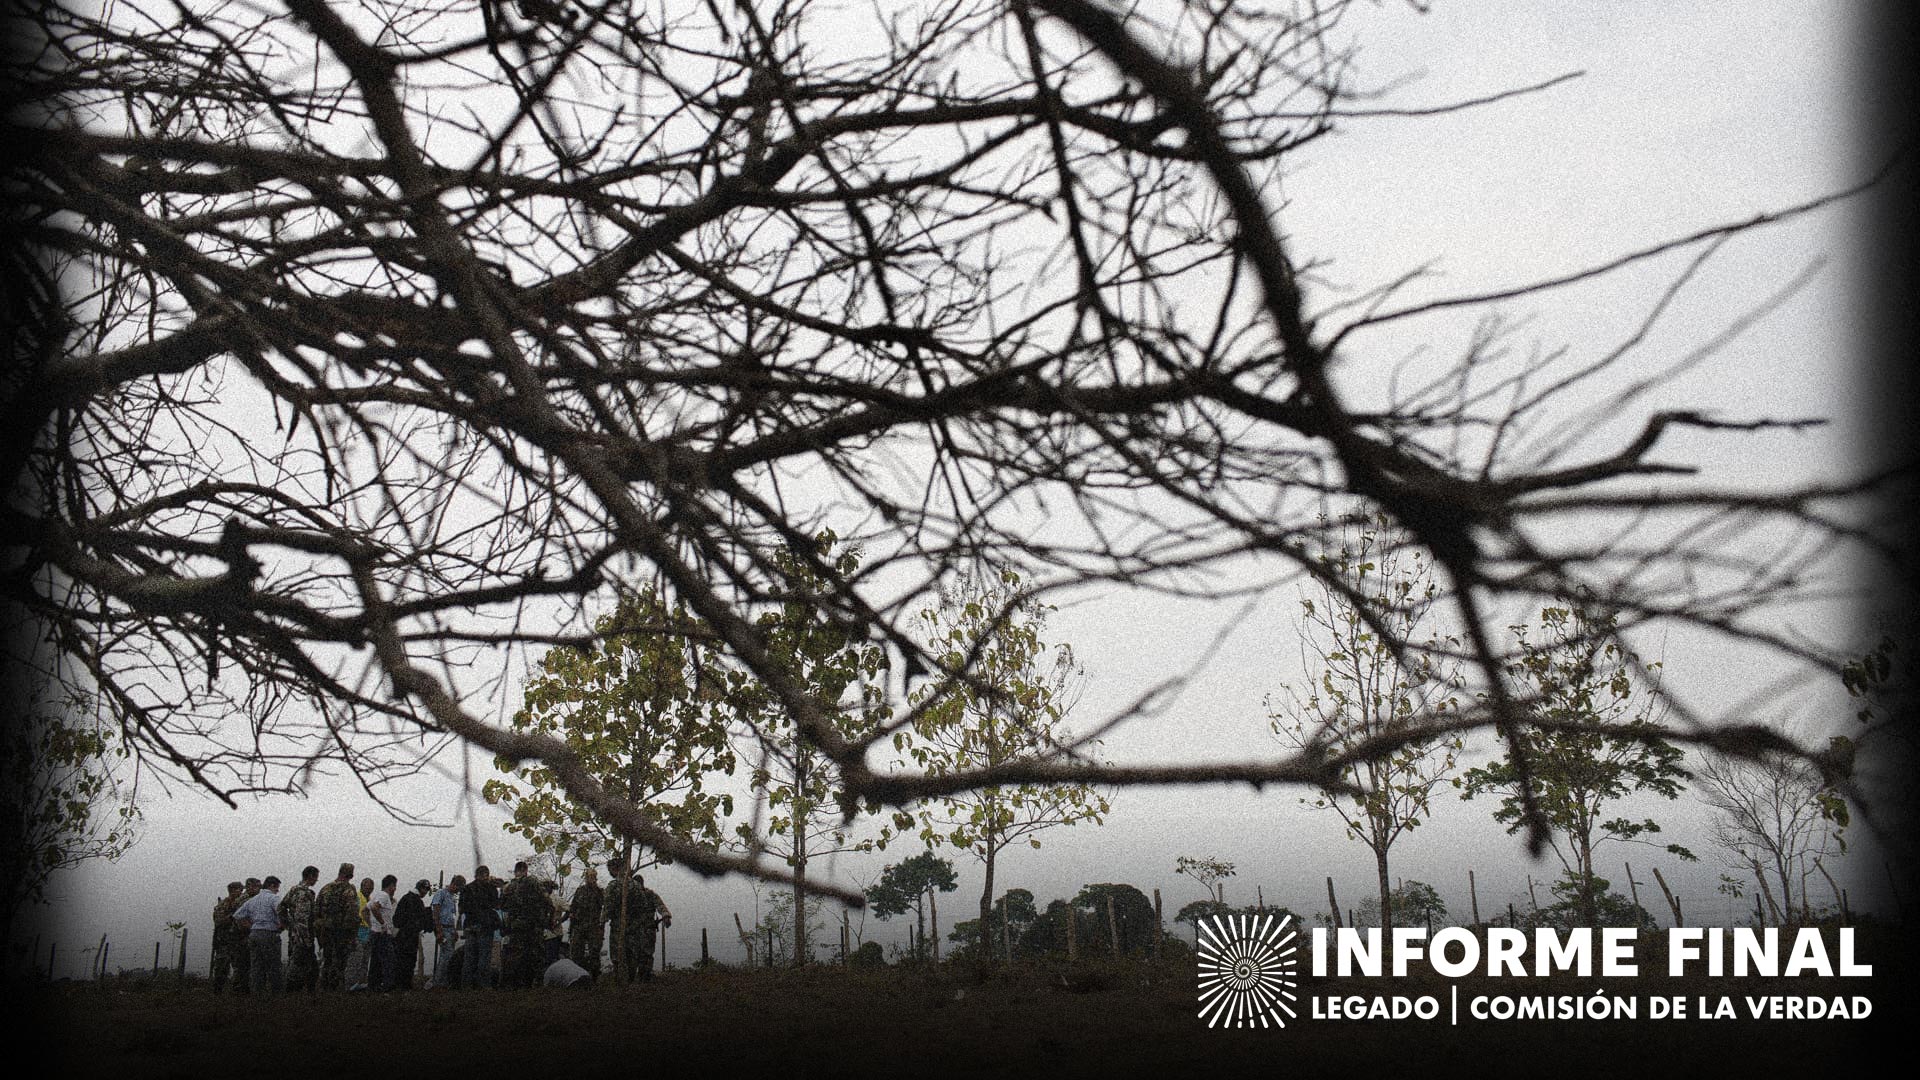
1104, 1020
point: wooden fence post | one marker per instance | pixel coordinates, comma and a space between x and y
183, 956
1672, 900
1473, 897
1158, 924
1333, 903
745, 938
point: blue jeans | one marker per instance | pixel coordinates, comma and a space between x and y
445, 941
263, 948
479, 971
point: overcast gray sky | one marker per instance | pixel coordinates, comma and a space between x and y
1687, 115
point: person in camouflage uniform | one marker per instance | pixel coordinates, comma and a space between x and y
242, 955
527, 915
225, 936
585, 916
336, 918
296, 914
646, 913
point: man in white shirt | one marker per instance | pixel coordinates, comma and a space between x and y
380, 920
261, 919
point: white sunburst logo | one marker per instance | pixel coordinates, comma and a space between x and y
1247, 968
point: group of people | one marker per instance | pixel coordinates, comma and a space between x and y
340, 936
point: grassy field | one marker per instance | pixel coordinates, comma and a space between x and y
1091, 1020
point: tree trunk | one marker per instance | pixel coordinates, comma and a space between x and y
1386, 892
1838, 897
1766, 892
800, 810
1589, 904
1158, 924
933, 908
986, 906
800, 909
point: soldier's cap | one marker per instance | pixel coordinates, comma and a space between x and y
253, 881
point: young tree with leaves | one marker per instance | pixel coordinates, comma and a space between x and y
60, 803
1595, 741
1210, 872
912, 885
1383, 693
1001, 699
639, 707
800, 787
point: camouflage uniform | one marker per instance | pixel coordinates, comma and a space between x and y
296, 914
527, 915
643, 924
585, 913
225, 941
336, 918
242, 955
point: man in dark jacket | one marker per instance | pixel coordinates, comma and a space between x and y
480, 908
410, 920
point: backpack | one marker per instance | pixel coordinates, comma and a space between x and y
337, 910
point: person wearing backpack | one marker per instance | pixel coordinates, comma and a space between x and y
336, 919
